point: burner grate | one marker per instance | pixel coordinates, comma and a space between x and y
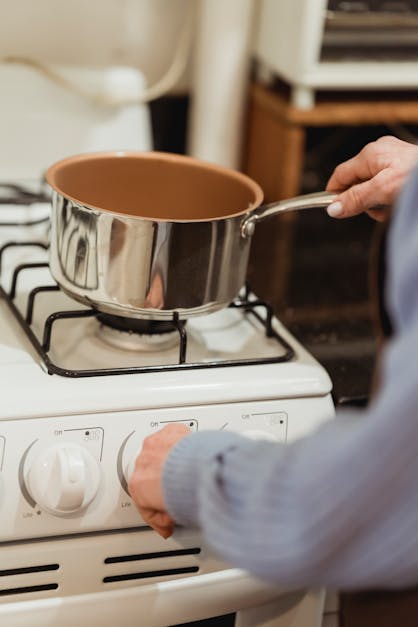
12, 194
249, 305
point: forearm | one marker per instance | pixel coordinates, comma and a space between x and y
323, 510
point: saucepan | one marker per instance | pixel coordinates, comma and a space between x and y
152, 235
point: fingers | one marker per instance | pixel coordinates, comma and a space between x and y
164, 531
166, 437
351, 172
375, 157
161, 522
354, 179
145, 483
370, 196
380, 215
355, 200
372, 179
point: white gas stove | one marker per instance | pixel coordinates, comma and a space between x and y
77, 398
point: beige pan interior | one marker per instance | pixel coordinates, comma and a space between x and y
154, 185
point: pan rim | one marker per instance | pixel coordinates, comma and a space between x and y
157, 155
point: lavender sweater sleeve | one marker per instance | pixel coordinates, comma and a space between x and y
338, 508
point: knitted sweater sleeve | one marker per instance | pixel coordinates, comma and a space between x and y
340, 507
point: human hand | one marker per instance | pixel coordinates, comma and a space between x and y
372, 179
145, 484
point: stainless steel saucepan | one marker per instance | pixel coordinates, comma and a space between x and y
145, 235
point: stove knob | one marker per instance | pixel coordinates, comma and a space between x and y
130, 468
63, 479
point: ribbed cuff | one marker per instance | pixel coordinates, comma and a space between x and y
182, 470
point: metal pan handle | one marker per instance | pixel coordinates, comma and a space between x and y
307, 201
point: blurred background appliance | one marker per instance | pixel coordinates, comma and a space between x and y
335, 44
42, 121
370, 29
179, 46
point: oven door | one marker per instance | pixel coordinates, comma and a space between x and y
172, 602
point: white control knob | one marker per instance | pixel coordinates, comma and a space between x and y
63, 479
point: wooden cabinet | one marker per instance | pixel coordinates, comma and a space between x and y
274, 156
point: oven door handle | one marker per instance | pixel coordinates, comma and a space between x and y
160, 604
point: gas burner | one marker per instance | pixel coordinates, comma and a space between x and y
251, 337
137, 334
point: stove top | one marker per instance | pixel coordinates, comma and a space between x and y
75, 341
51, 345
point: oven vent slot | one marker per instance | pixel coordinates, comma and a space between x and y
168, 572
8, 572
160, 571
151, 556
24, 586
26, 589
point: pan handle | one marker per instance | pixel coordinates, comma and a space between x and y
307, 201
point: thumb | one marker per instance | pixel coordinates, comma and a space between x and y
353, 201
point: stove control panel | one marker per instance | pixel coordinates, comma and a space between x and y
68, 474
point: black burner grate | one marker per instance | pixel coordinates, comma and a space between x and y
21, 198
249, 305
